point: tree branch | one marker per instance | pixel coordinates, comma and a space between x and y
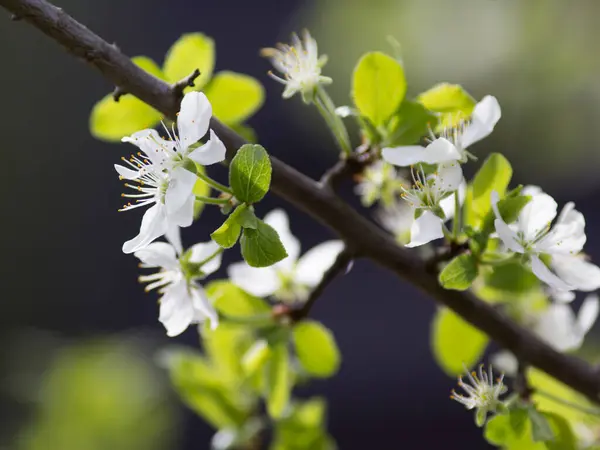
307, 195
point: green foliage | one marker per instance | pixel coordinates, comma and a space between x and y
228, 233
378, 86
540, 427
512, 278
231, 300
316, 349
278, 380
409, 124
250, 173
494, 175
191, 51
256, 357
261, 247
234, 97
459, 273
451, 100
455, 342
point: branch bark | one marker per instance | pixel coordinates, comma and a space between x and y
309, 196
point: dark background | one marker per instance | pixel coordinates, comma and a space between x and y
66, 282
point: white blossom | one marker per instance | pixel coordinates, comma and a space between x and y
534, 236
378, 181
300, 65
292, 278
184, 301
159, 170
453, 142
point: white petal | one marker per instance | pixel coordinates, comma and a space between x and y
450, 176
506, 362
173, 235
315, 262
158, 254
203, 308
447, 204
425, 229
483, 120
153, 225
556, 326
259, 282
180, 189
537, 215
176, 309
194, 118
154, 147
210, 153
184, 216
126, 173
561, 296
563, 238
505, 233
588, 313
403, 156
576, 271
440, 150
544, 274
531, 190
278, 219
204, 250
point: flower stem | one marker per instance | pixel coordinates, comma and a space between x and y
215, 184
327, 109
211, 257
456, 225
212, 201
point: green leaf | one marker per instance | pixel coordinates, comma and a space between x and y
278, 380
261, 247
111, 120
256, 357
228, 233
540, 427
316, 349
518, 420
449, 99
509, 207
499, 432
459, 273
232, 300
190, 52
511, 278
378, 86
494, 175
234, 96
250, 173
409, 124
564, 438
226, 346
456, 342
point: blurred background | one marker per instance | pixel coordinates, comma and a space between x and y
79, 337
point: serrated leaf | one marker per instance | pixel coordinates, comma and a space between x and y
250, 173
378, 86
234, 96
261, 247
456, 342
278, 380
111, 120
316, 349
459, 273
411, 122
232, 300
451, 100
191, 51
494, 175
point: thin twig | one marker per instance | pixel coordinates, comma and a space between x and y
188, 81
340, 266
311, 198
118, 93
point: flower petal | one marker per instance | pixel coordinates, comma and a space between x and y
203, 308
483, 120
126, 173
447, 204
194, 118
210, 153
450, 176
588, 313
425, 229
544, 274
259, 282
204, 250
508, 236
153, 225
556, 326
176, 309
314, 263
184, 216
158, 254
506, 362
278, 219
576, 271
440, 150
154, 147
173, 235
537, 215
180, 188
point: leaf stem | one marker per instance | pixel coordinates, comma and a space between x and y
456, 223
327, 109
215, 184
212, 201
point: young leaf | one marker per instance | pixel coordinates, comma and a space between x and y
409, 124
518, 418
540, 427
232, 300
261, 247
278, 380
250, 173
234, 97
460, 273
190, 52
455, 342
494, 175
512, 278
378, 86
228, 233
111, 120
316, 349
256, 357
451, 100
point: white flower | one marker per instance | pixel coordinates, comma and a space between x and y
378, 182
483, 393
533, 236
183, 300
160, 173
299, 64
426, 199
453, 142
397, 219
292, 278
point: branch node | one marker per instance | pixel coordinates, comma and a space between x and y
352, 165
188, 81
118, 93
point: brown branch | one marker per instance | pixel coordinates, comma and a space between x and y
310, 197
